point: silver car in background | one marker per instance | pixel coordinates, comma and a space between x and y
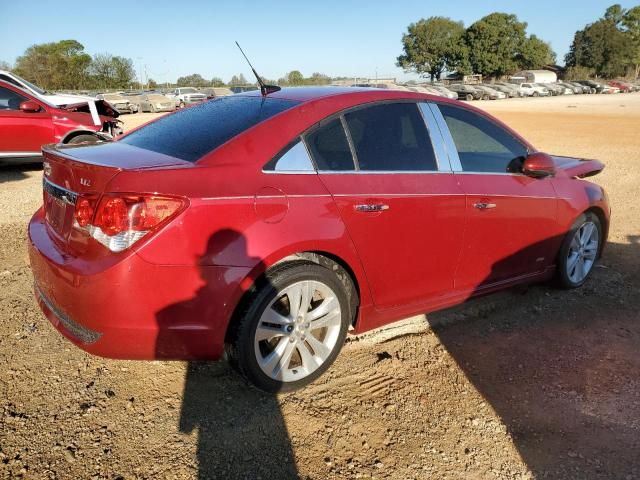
156, 102
121, 103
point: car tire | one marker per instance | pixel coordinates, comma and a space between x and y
534, 94
579, 251
468, 97
84, 138
267, 309
153, 109
181, 105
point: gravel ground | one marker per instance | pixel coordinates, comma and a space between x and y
533, 383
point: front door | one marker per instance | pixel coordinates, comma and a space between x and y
399, 200
22, 132
511, 218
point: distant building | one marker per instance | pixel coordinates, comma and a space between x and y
460, 78
535, 76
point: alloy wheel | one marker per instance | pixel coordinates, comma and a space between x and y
583, 251
298, 331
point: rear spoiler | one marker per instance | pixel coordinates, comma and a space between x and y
576, 167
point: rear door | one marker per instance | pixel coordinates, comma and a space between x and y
22, 132
511, 218
397, 196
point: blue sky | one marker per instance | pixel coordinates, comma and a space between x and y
345, 38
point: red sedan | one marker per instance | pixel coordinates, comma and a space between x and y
27, 122
267, 227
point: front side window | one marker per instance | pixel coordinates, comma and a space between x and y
10, 100
329, 147
391, 137
481, 144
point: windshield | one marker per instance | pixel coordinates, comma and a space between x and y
195, 131
113, 97
188, 90
30, 85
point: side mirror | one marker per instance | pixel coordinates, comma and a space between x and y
29, 106
539, 165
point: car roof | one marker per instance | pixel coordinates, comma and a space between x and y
308, 94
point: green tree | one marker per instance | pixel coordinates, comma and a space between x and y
495, 44
5, 66
318, 79
294, 78
217, 82
193, 80
123, 72
152, 84
433, 46
535, 53
56, 65
237, 80
603, 47
631, 25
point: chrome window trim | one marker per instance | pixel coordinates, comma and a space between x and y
380, 172
449, 144
435, 136
20, 154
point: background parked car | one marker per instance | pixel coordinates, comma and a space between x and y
27, 122
491, 93
509, 92
120, 102
215, 92
52, 98
515, 87
623, 86
444, 90
155, 102
466, 92
184, 96
534, 90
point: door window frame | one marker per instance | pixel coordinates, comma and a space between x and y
433, 129
452, 150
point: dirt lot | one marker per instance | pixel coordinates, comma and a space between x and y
536, 383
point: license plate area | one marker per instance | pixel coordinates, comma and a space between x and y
59, 204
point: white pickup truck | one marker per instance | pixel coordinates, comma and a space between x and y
184, 96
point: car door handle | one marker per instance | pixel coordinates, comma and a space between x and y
371, 207
484, 206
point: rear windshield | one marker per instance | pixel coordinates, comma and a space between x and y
195, 131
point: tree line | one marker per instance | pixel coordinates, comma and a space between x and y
498, 45
608, 47
494, 46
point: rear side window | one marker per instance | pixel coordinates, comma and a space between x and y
195, 131
391, 137
482, 145
329, 147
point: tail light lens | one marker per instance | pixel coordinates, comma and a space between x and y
119, 221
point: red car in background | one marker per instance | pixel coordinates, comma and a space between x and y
27, 122
269, 226
623, 86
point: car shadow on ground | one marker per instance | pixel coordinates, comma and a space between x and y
241, 431
14, 172
560, 368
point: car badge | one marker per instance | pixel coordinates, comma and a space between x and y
46, 168
85, 182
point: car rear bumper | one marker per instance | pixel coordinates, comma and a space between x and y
132, 309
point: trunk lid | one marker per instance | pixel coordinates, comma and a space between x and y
577, 167
72, 171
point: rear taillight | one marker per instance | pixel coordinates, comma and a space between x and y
118, 221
